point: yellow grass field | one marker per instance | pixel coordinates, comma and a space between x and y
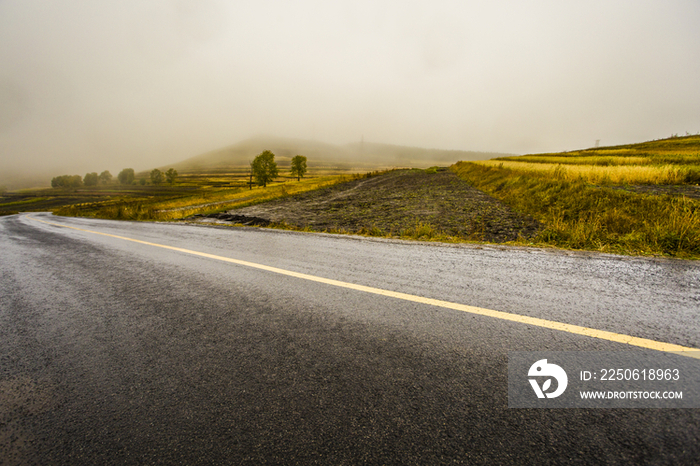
602, 175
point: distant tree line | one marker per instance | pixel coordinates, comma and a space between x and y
76, 181
67, 181
125, 177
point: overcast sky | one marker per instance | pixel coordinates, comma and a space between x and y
92, 85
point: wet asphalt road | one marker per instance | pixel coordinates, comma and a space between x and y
113, 352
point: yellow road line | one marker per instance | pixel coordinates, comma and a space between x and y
569, 328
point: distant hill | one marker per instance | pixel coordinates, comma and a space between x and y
360, 156
414, 156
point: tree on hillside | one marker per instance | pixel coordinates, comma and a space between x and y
91, 179
156, 176
264, 168
298, 166
171, 175
105, 177
126, 176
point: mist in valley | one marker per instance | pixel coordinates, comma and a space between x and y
92, 86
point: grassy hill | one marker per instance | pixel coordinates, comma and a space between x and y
356, 156
675, 148
635, 199
666, 161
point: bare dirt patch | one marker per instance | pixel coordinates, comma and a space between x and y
394, 204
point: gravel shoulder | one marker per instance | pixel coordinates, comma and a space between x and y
392, 204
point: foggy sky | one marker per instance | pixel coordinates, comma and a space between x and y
93, 85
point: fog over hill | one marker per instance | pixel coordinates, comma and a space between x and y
88, 86
358, 155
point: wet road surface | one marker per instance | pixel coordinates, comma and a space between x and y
115, 352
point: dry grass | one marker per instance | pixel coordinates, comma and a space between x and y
578, 215
602, 175
601, 160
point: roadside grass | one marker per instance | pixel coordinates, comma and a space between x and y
421, 231
578, 215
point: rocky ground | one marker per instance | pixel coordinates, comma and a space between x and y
393, 204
